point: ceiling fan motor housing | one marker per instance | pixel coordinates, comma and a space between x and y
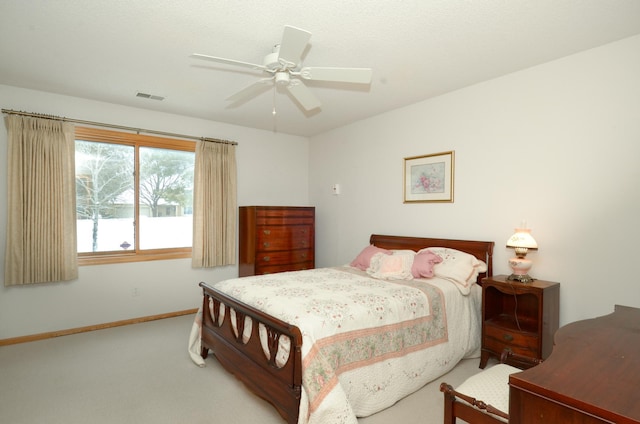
271, 61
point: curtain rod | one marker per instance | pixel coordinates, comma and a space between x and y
121, 127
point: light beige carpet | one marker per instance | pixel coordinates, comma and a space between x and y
142, 374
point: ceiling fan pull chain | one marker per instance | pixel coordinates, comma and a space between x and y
275, 118
274, 100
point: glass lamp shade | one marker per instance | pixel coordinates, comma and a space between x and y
521, 241
522, 238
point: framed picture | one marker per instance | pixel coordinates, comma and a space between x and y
429, 178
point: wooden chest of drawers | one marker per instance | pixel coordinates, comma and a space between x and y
276, 239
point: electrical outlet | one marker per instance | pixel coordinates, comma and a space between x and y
135, 292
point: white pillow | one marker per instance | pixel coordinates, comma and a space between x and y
396, 266
459, 267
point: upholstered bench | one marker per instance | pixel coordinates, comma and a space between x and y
484, 397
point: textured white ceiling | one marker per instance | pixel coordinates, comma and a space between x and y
110, 50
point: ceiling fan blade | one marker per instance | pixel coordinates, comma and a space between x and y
354, 75
251, 91
303, 95
229, 61
294, 41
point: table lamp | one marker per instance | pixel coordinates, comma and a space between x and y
521, 241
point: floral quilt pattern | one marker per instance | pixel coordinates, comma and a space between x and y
348, 320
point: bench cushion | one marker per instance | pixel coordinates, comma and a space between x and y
490, 386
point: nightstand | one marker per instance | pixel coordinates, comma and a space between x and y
521, 317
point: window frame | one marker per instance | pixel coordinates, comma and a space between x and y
136, 140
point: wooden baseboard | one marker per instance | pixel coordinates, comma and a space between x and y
52, 334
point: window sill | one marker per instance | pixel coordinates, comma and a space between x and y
139, 257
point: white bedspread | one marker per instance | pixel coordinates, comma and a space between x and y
366, 342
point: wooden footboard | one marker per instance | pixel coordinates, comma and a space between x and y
281, 386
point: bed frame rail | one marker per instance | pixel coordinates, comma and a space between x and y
247, 361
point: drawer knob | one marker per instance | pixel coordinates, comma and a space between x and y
267, 232
266, 259
507, 337
266, 244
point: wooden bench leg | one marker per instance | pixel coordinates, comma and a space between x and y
448, 404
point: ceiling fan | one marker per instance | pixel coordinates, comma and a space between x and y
285, 69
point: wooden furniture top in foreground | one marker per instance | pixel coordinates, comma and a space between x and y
592, 375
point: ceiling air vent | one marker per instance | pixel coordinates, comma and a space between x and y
149, 96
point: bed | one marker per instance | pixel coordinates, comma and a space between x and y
315, 360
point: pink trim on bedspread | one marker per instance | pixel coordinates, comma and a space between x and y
331, 356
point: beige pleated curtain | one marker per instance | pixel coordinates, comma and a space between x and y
214, 205
41, 201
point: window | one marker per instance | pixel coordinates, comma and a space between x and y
134, 196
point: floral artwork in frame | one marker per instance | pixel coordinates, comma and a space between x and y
429, 178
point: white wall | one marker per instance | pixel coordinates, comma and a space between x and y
102, 294
557, 145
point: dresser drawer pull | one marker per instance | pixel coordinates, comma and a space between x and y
266, 258
266, 244
304, 255
267, 232
507, 337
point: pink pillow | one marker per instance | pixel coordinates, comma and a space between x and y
363, 260
423, 264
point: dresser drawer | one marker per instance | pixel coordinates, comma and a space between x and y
285, 220
272, 269
271, 238
285, 216
498, 338
284, 257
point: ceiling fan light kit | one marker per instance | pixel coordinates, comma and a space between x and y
282, 78
285, 69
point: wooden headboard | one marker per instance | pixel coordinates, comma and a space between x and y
482, 250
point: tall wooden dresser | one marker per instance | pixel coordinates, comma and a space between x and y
276, 239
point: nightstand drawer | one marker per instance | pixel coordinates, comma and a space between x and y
499, 338
520, 344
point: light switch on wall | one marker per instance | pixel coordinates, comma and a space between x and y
336, 189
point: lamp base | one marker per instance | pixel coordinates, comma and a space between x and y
522, 278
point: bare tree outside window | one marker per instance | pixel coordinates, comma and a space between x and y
104, 173
166, 198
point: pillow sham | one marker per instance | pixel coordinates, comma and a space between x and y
423, 264
459, 267
396, 266
363, 260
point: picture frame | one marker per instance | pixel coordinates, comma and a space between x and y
429, 178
